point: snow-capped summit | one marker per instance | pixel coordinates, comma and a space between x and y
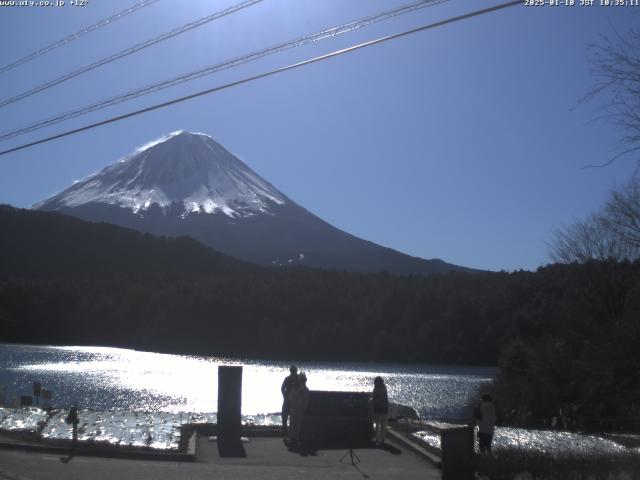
184, 168
187, 184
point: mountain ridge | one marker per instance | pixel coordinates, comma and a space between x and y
74, 246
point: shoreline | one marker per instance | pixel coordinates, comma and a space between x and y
142, 432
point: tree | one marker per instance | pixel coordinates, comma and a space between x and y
612, 233
616, 68
590, 239
623, 213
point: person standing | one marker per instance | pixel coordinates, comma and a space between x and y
486, 423
288, 385
299, 404
380, 404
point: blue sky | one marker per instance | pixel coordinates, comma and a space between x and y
464, 142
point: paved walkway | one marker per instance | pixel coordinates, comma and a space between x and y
266, 458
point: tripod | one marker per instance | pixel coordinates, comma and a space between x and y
355, 459
351, 440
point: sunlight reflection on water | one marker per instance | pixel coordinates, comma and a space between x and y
551, 442
107, 379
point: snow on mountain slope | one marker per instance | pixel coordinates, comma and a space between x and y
182, 167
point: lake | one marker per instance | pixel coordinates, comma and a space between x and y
115, 379
136, 398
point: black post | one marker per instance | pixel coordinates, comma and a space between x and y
73, 420
457, 453
37, 388
229, 411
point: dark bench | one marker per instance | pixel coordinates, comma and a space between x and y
339, 419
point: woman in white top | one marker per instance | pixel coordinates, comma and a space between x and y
486, 423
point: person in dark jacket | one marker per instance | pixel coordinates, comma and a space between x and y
380, 404
298, 402
288, 385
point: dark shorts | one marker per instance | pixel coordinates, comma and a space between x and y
484, 440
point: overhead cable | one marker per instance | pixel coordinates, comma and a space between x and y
268, 74
208, 70
78, 34
131, 50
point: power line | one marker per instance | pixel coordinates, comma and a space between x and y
311, 38
269, 73
78, 34
131, 50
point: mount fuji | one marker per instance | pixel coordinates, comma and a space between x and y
187, 184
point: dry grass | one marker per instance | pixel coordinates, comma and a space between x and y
527, 465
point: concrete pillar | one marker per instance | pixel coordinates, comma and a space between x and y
229, 411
